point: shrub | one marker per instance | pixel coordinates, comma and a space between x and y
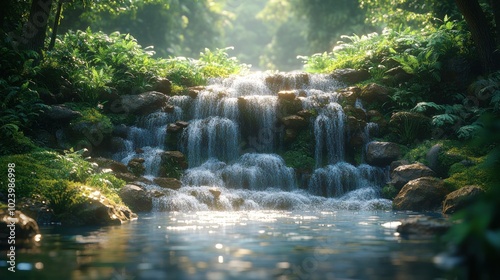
409, 126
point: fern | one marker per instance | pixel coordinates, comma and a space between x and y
469, 131
424, 107
445, 119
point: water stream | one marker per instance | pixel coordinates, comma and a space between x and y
241, 213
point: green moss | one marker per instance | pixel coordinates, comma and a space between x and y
299, 153
16, 143
38, 173
418, 152
469, 172
94, 117
299, 160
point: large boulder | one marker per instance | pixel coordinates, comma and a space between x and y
136, 166
19, 227
114, 165
405, 173
350, 95
374, 94
351, 76
164, 86
422, 194
288, 95
168, 183
60, 113
461, 198
136, 198
143, 103
382, 153
98, 210
423, 226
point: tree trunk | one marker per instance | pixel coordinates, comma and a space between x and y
56, 25
35, 30
480, 31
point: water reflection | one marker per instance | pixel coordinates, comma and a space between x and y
230, 245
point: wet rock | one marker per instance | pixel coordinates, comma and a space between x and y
374, 94
423, 226
288, 95
286, 81
405, 173
23, 228
382, 153
422, 194
172, 164
358, 113
182, 124
173, 128
306, 114
350, 76
37, 208
289, 107
99, 211
215, 193
397, 163
461, 198
164, 86
109, 163
168, 108
143, 103
136, 198
127, 177
168, 183
294, 121
136, 166
350, 94
194, 91
60, 113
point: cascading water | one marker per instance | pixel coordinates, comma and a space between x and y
146, 139
232, 141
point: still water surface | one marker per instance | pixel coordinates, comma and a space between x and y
235, 245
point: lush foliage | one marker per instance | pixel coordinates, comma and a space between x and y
211, 64
415, 13
58, 178
417, 52
20, 102
477, 236
93, 66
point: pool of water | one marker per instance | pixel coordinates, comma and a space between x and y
261, 244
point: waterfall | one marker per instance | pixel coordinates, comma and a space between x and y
329, 134
261, 110
147, 138
211, 137
233, 144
